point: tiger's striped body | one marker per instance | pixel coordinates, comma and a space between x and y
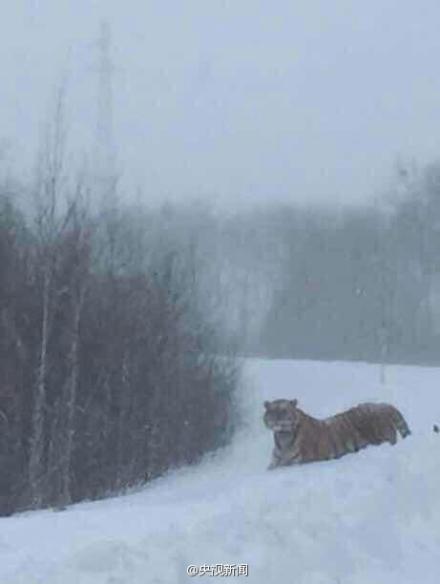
301, 438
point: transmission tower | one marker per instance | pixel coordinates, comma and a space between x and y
105, 156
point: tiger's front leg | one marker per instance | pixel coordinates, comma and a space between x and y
275, 462
279, 460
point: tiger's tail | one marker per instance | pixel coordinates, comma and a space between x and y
400, 423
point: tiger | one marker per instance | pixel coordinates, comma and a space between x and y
301, 438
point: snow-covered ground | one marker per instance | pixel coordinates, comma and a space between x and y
367, 518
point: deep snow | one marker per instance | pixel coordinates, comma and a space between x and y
370, 517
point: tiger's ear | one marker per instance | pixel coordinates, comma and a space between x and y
294, 402
267, 405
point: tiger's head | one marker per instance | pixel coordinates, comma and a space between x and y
281, 415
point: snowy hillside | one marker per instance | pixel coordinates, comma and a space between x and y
371, 517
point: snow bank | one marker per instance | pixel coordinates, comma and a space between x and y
371, 517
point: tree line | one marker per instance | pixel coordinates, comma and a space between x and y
110, 370
363, 283
322, 282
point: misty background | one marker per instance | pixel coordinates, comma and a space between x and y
182, 186
232, 101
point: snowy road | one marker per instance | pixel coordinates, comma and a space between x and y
372, 517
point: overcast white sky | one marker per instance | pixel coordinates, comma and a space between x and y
240, 99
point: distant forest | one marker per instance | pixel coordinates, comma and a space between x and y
322, 282
361, 284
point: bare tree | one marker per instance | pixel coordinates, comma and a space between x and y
50, 222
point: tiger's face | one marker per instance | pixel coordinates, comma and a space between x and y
281, 415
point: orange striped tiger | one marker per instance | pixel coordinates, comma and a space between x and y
300, 438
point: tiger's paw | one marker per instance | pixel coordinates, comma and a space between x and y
272, 465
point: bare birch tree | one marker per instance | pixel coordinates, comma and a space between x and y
50, 223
